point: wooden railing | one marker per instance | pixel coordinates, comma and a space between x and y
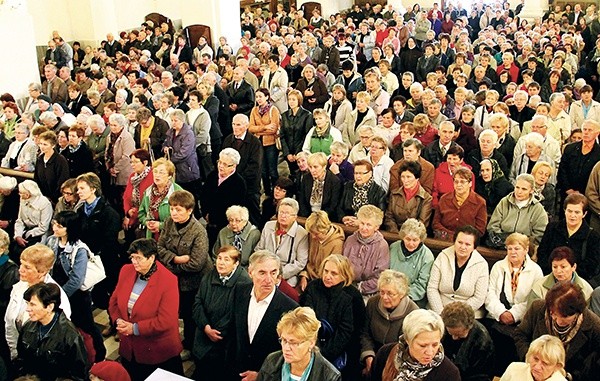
436, 245
19, 175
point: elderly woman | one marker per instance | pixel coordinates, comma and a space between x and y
183, 250
148, 326
239, 233
418, 354
180, 147
33, 221
69, 271
229, 185
491, 184
385, 314
338, 107
96, 141
338, 163
313, 89
325, 239
511, 281
563, 314
140, 179
78, 155
299, 357
362, 191
36, 263
534, 145
488, 140
10, 119
321, 190
59, 351
154, 207
22, 153
338, 304
544, 190
574, 232
51, 169
295, 124
459, 208
213, 312
563, 264
367, 250
150, 132
443, 181
467, 343
411, 257
410, 200
287, 239
264, 124
100, 227
119, 147
320, 137
459, 273
544, 361
283, 187
518, 212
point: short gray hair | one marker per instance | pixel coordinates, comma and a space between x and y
236, 210
289, 202
526, 177
412, 226
395, 279
534, 138
95, 120
231, 154
420, 321
118, 119
48, 116
490, 133
177, 114
261, 256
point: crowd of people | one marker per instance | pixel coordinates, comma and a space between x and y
248, 194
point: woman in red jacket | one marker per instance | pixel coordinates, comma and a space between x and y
144, 307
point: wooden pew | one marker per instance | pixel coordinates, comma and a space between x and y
491, 256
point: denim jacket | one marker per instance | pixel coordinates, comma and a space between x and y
77, 271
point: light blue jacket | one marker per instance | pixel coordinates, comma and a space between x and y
75, 272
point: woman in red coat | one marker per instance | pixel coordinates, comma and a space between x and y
443, 181
144, 307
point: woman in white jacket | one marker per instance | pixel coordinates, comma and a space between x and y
466, 283
36, 263
338, 107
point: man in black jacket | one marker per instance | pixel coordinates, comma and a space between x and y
250, 167
259, 308
240, 93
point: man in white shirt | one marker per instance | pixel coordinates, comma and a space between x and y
259, 307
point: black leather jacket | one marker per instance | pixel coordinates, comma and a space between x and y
322, 370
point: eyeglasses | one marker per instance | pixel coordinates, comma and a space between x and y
222, 163
290, 344
390, 294
461, 181
235, 220
286, 214
137, 258
67, 193
361, 173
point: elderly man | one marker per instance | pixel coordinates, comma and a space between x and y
434, 112
53, 86
228, 183
551, 148
112, 46
578, 160
519, 112
435, 152
250, 166
31, 105
242, 63
488, 142
411, 149
166, 78
64, 73
259, 308
105, 94
240, 93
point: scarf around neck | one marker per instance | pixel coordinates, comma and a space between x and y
136, 180
410, 369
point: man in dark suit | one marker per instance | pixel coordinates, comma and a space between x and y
260, 305
240, 93
435, 152
250, 167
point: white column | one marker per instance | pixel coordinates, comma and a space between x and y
18, 67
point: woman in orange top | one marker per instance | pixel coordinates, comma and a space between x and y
264, 123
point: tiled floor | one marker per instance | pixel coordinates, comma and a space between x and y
112, 346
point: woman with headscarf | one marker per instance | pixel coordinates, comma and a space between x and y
33, 222
491, 184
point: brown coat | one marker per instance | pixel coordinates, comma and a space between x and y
426, 179
58, 90
449, 215
399, 210
318, 251
258, 125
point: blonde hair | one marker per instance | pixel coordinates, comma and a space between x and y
370, 212
518, 238
420, 321
168, 165
541, 164
318, 221
344, 267
41, 256
302, 322
550, 349
364, 96
395, 279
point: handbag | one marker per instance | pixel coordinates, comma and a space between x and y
325, 334
95, 270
